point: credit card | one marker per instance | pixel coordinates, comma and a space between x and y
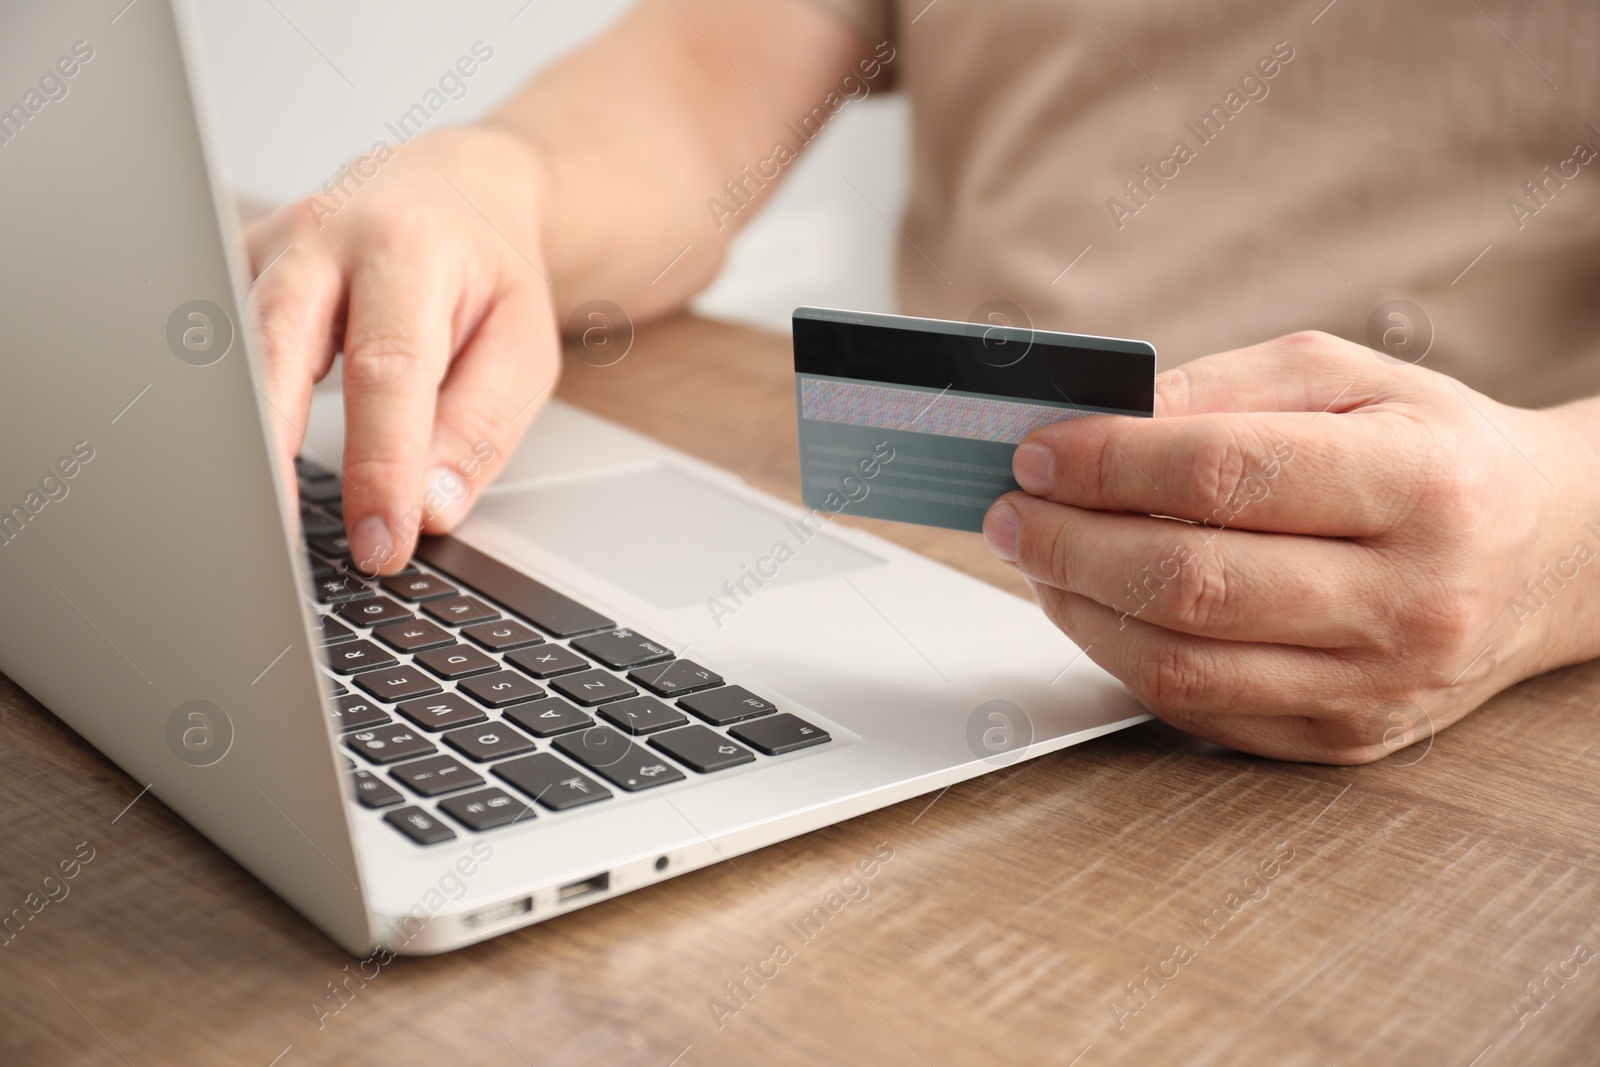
916, 420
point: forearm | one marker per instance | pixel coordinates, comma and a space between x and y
637, 130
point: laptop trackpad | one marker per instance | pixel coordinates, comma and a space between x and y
671, 538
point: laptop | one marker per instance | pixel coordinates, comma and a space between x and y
545, 710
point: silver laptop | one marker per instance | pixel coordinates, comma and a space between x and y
607, 678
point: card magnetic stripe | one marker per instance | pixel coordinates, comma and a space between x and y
946, 414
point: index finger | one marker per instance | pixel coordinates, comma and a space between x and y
396, 351
1277, 471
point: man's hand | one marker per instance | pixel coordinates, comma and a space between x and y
428, 277
450, 259
1312, 553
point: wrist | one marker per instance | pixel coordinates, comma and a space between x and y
532, 179
1555, 607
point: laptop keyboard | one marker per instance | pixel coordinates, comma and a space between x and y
468, 695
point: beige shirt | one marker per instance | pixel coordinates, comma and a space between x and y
1380, 150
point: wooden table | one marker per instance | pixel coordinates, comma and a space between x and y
1029, 917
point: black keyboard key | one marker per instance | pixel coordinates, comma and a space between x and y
547, 661
733, 703
413, 635
780, 734
554, 783
318, 483
456, 661
317, 524
642, 715
333, 546
339, 588
501, 689
596, 747
418, 825
318, 568
397, 683
356, 712
389, 744
592, 687
487, 809
441, 712
702, 749
373, 612
460, 610
321, 489
374, 792
419, 586
436, 775
553, 612
617, 759
677, 678
358, 656
621, 649
546, 718
502, 636
334, 632
485, 743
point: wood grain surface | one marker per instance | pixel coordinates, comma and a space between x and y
1142, 899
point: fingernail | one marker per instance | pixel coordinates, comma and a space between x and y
371, 546
1001, 528
1034, 467
448, 489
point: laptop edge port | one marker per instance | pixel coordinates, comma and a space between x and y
597, 883
495, 913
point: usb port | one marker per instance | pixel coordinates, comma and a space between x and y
597, 883
497, 912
